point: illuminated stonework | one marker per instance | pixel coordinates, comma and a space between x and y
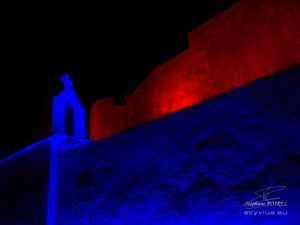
68, 116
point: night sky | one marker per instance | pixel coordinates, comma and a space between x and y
107, 52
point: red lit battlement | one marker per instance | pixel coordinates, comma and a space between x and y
250, 40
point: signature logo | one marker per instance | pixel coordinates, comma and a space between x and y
265, 197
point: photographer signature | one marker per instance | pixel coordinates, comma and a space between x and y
263, 198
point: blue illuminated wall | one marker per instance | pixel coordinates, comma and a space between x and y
28, 181
28, 187
198, 165
24, 185
68, 126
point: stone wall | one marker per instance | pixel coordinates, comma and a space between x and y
24, 186
252, 39
198, 165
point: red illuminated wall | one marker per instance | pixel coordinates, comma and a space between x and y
250, 40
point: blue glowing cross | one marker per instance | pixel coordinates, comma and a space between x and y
66, 80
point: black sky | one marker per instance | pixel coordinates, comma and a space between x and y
106, 51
